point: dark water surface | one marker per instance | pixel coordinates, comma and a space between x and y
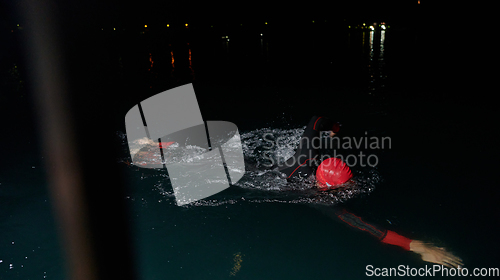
438, 177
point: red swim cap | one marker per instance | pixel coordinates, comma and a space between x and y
332, 172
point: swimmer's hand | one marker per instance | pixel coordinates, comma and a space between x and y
431, 253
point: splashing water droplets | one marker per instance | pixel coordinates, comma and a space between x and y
263, 148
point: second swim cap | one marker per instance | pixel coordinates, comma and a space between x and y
332, 172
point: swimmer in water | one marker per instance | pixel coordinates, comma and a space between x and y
331, 175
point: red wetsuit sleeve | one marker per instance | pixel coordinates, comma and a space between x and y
386, 236
395, 239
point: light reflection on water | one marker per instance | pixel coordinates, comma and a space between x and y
376, 61
264, 52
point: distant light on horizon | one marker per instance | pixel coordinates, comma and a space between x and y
145, 25
168, 25
186, 25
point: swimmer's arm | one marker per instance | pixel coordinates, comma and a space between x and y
428, 252
431, 253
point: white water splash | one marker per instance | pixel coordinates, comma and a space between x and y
261, 148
